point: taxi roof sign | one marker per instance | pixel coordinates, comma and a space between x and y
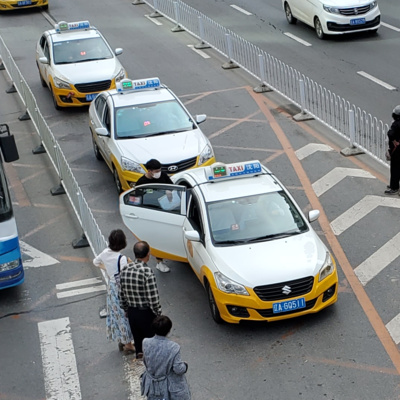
63, 26
127, 85
219, 171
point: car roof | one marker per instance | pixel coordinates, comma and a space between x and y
57, 37
123, 99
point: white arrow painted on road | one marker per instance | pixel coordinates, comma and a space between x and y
311, 149
335, 176
360, 210
378, 261
38, 258
394, 328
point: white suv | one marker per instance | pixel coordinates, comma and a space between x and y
334, 17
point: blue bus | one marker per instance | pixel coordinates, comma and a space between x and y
11, 269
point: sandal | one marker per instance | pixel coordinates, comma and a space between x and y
129, 350
120, 346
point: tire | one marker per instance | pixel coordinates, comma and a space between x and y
213, 306
289, 16
318, 29
46, 7
56, 106
96, 150
118, 184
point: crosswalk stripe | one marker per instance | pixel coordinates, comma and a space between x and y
84, 282
336, 175
78, 292
59, 362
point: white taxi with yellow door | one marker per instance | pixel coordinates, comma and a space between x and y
76, 63
244, 236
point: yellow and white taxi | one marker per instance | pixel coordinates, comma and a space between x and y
244, 236
76, 63
141, 120
8, 5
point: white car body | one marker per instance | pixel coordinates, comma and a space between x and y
334, 17
186, 228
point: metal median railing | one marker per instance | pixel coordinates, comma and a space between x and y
362, 129
68, 182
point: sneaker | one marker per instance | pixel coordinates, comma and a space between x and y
162, 267
391, 191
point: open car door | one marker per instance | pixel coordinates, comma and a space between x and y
156, 213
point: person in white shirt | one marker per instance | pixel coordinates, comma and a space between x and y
112, 261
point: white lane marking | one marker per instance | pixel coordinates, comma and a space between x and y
78, 292
153, 20
61, 378
376, 80
297, 39
360, 210
133, 370
390, 27
377, 262
312, 148
38, 258
84, 282
393, 327
336, 175
201, 53
241, 10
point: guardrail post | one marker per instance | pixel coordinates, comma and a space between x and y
82, 241
25, 116
57, 190
352, 150
155, 13
262, 87
11, 89
136, 2
202, 44
39, 149
230, 64
2, 67
302, 116
177, 27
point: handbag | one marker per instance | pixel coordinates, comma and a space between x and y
116, 276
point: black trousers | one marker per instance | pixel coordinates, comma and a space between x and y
140, 321
395, 170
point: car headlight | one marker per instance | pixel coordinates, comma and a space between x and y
327, 268
206, 154
373, 5
129, 165
229, 286
9, 265
121, 75
331, 9
61, 84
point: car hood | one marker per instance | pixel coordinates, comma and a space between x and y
346, 3
272, 261
168, 148
90, 71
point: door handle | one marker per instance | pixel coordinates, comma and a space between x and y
132, 216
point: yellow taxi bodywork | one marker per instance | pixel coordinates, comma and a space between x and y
18, 4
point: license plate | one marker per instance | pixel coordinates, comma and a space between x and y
357, 21
90, 97
288, 305
25, 3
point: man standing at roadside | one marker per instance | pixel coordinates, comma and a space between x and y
139, 296
155, 175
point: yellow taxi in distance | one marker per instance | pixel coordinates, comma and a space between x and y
8, 5
244, 236
141, 120
76, 63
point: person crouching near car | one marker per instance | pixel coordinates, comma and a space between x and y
155, 175
394, 152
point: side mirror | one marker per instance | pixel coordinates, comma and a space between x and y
43, 60
192, 235
200, 118
313, 215
118, 51
102, 131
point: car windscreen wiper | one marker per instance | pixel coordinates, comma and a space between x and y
239, 241
274, 236
167, 132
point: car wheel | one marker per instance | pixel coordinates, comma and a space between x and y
318, 29
46, 7
56, 106
118, 184
289, 15
96, 149
213, 306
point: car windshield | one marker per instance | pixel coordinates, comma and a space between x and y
151, 119
255, 218
80, 50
